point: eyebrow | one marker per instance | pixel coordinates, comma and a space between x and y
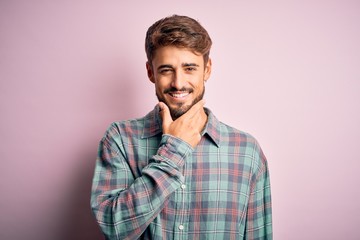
189, 65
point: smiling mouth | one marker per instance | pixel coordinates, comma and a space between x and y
179, 94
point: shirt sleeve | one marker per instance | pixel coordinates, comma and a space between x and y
259, 213
124, 206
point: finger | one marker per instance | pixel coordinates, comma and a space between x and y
165, 114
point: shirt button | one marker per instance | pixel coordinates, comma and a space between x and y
183, 186
181, 227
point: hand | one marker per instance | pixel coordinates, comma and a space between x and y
187, 127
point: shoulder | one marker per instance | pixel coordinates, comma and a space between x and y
231, 134
130, 132
244, 143
130, 127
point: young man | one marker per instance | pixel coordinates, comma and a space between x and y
179, 173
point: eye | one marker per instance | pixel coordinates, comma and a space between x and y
165, 70
190, 69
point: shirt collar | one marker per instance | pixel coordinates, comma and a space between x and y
212, 128
153, 125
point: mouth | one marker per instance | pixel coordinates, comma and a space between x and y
179, 95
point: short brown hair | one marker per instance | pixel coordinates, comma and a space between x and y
179, 31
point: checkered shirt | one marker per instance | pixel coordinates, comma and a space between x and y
149, 185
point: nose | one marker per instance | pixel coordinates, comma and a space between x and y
178, 80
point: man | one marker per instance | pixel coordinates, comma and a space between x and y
179, 173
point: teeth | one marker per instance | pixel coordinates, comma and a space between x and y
179, 95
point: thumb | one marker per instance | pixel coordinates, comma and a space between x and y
165, 116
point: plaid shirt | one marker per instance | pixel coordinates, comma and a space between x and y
149, 185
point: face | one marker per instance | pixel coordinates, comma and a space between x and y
179, 76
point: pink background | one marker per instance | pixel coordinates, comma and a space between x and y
287, 72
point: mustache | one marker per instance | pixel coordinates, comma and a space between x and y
173, 89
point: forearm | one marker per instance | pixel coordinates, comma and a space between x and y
126, 206
259, 212
259, 216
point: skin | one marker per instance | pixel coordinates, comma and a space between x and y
179, 76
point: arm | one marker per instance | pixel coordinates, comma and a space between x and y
259, 213
124, 206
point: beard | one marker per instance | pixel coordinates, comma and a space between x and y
181, 108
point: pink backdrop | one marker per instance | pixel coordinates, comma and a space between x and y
288, 73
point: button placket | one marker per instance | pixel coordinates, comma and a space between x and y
181, 227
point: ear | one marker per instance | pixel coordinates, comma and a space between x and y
207, 71
150, 72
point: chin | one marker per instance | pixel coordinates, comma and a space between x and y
179, 111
